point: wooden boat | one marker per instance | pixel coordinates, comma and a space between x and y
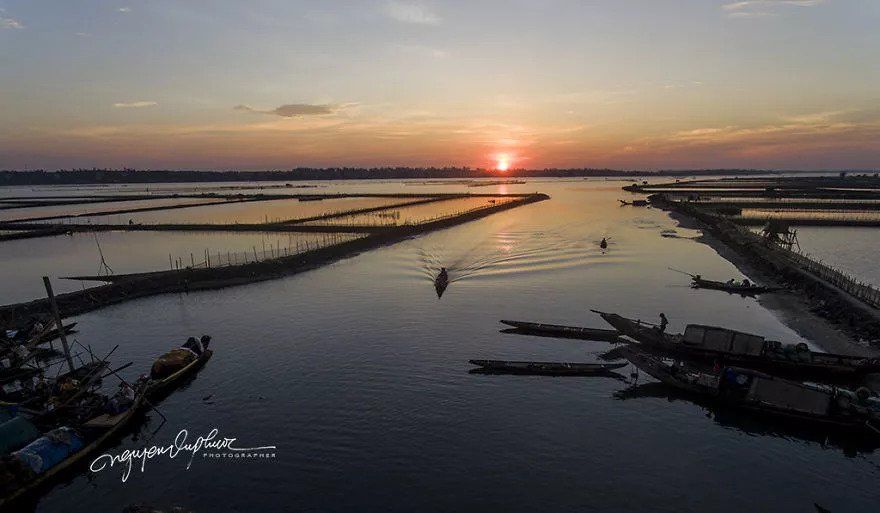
158, 388
53, 333
440, 283
547, 368
556, 330
733, 288
46, 335
762, 393
96, 432
730, 347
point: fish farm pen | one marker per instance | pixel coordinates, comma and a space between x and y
833, 293
298, 232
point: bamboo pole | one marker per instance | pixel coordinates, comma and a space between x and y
58, 323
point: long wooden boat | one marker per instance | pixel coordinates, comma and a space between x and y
547, 368
762, 393
730, 347
560, 331
46, 335
157, 388
95, 433
440, 284
734, 288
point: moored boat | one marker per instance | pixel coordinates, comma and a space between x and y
546, 368
160, 387
733, 288
81, 442
560, 331
765, 394
732, 347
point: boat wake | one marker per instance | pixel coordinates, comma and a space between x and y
509, 252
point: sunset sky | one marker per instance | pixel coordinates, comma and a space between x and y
276, 84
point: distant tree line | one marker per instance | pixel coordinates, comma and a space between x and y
108, 176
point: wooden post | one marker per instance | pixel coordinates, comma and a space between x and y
58, 323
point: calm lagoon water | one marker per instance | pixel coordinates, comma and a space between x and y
854, 250
358, 373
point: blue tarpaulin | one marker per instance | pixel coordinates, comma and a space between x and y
50, 450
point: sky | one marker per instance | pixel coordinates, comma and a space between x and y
277, 84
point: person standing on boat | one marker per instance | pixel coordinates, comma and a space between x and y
197, 346
663, 322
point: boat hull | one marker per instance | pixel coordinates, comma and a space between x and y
157, 389
76, 458
652, 366
732, 289
546, 368
556, 330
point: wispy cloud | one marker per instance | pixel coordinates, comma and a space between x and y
763, 8
682, 84
423, 51
134, 105
296, 109
124, 9
410, 12
785, 135
9, 22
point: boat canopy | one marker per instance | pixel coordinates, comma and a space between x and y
790, 396
724, 340
16, 433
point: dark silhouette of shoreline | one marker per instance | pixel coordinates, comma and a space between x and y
116, 176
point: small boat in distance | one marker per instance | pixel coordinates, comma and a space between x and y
744, 287
732, 287
556, 330
604, 243
546, 368
441, 282
634, 203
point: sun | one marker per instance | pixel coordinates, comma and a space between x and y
502, 162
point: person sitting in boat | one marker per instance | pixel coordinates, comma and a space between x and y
443, 276
604, 243
663, 322
197, 346
37, 328
746, 283
731, 282
121, 400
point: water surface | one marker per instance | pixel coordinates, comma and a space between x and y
359, 374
